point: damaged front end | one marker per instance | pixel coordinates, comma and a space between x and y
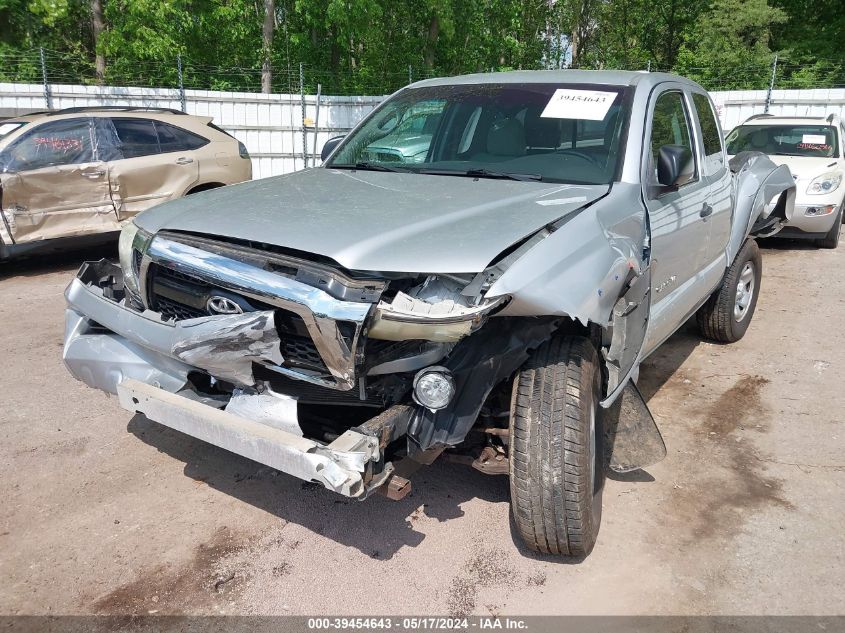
289, 361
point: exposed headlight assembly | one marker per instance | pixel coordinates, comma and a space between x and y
131, 245
435, 311
825, 183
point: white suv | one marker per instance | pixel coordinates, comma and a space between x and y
812, 148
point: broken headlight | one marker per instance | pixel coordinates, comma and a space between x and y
131, 245
436, 310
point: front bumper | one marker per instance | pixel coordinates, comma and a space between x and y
341, 466
119, 350
812, 225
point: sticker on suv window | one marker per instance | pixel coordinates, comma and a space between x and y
814, 139
591, 105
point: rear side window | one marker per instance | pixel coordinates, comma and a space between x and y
711, 133
7, 127
137, 137
144, 137
65, 142
175, 139
669, 126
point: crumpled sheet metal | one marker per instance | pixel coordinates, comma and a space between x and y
227, 345
276, 410
757, 181
58, 201
478, 363
339, 466
592, 252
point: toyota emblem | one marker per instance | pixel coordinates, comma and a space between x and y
223, 305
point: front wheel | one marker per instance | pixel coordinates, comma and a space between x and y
556, 448
728, 312
831, 240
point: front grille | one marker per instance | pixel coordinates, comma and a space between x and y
299, 351
174, 311
179, 296
307, 393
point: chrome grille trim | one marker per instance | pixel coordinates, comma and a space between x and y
319, 311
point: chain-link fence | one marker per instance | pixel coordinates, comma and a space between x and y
285, 130
51, 67
180, 72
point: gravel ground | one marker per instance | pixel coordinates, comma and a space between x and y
105, 512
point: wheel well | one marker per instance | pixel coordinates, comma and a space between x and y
205, 187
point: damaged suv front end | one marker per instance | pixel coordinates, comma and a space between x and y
253, 350
349, 323
342, 324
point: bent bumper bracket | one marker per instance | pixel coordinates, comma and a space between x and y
340, 466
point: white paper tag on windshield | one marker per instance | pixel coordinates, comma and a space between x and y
591, 105
814, 139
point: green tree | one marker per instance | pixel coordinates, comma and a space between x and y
729, 45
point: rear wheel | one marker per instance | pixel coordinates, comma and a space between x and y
831, 240
556, 448
728, 312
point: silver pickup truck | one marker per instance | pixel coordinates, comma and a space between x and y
492, 299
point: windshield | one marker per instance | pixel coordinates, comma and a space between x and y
785, 140
549, 132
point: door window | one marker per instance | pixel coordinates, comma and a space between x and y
670, 126
175, 139
137, 137
711, 134
65, 142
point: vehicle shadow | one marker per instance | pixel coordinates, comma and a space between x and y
378, 527
784, 244
655, 372
71, 260
658, 368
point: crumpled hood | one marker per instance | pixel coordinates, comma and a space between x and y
378, 221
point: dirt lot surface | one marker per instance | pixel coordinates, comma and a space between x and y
107, 513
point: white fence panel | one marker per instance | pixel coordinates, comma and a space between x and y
270, 125
735, 106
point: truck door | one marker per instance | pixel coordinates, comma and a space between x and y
717, 177
150, 166
678, 234
53, 184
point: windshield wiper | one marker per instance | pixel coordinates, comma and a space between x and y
368, 166
482, 173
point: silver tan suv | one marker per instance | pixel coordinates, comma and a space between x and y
84, 172
491, 294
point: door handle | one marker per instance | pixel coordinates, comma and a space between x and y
706, 210
184, 160
93, 173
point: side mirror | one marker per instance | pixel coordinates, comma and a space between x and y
328, 148
675, 166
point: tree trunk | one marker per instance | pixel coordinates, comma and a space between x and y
267, 32
431, 43
97, 28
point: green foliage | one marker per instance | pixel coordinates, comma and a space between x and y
730, 44
372, 46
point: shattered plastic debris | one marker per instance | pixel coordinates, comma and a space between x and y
227, 345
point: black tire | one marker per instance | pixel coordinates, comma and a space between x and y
717, 319
556, 448
831, 240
